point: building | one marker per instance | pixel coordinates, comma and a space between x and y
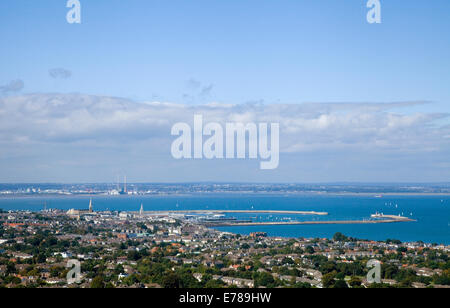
258, 234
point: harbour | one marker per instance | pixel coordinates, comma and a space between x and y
350, 215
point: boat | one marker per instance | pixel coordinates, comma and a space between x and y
377, 215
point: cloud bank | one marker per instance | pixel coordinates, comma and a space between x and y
109, 125
304, 127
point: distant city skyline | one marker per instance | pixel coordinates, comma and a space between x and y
356, 102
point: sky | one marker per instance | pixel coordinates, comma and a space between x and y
356, 102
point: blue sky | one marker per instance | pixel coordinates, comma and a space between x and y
233, 52
276, 51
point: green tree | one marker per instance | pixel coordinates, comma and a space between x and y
265, 279
98, 283
328, 280
355, 282
171, 281
340, 284
309, 249
339, 237
214, 284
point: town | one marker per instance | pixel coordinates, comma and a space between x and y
121, 187
165, 250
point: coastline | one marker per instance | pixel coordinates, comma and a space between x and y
430, 211
235, 211
196, 194
383, 218
293, 223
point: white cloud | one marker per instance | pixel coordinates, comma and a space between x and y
76, 137
69, 118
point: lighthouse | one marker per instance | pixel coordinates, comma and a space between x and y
141, 211
91, 210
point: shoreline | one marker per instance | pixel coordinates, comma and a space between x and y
234, 211
374, 195
293, 223
384, 218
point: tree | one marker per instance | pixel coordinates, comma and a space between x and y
443, 279
402, 249
379, 286
287, 261
41, 258
355, 282
328, 280
171, 281
302, 285
389, 271
327, 267
340, 284
98, 283
10, 268
133, 255
245, 246
187, 280
265, 279
339, 237
309, 250
214, 284
391, 241
406, 283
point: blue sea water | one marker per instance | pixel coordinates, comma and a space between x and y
431, 212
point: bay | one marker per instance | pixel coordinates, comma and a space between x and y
431, 212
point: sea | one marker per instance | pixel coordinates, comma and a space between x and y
432, 213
